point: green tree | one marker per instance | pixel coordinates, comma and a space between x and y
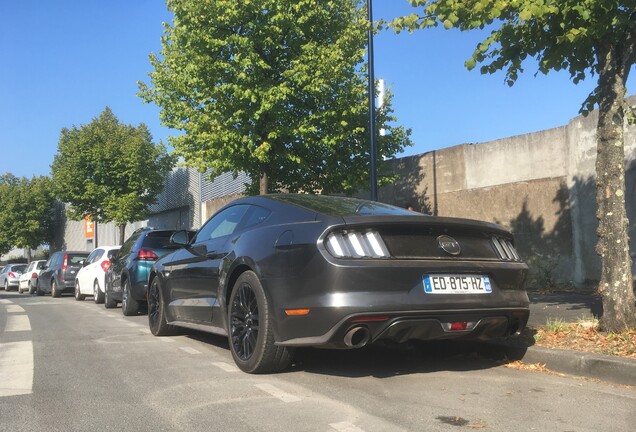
273, 88
31, 213
109, 171
8, 190
585, 38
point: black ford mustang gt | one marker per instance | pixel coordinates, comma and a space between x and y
275, 272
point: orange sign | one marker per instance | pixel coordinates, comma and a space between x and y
89, 228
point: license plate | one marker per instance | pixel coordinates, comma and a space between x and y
457, 284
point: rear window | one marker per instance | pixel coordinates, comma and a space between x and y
19, 268
75, 259
157, 240
342, 206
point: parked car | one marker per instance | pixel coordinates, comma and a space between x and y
276, 272
10, 275
90, 278
29, 278
58, 275
126, 280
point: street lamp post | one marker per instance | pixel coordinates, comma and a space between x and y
373, 150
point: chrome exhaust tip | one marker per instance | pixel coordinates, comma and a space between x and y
357, 337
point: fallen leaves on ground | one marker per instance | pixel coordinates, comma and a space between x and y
583, 336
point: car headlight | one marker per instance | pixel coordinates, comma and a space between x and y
356, 244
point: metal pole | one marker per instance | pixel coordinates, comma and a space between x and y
373, 150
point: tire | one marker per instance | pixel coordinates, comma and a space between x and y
250, 333
55, 292
157, 312
19, 289
78, 295
129, 306
31, 288
6, 285
98, 295
109, 303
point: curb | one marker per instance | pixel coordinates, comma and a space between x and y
617, 370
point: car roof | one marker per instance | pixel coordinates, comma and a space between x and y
335, 206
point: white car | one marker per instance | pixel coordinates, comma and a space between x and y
90, 278
29, 278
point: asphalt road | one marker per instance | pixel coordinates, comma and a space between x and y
75, 366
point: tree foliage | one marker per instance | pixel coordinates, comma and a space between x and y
26, 212
8, 188
586, 38
109, 171
273, 88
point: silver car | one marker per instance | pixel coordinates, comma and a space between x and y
10, 275
30, 277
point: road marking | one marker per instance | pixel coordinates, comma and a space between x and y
166, 339
17, 323
345, 427
132, 324
145, 330
16, 368
190, 350
226, 367
278, 393
14, 308
5, 301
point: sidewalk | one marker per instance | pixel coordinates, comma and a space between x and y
572, 308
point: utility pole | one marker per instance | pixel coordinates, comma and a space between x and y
373, 151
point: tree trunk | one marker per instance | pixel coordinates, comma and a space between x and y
28, 255
95, 240
264, 180
616, 286
122, 233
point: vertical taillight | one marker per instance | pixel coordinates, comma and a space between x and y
147, 255
12, 275
356, 244
65, 263
105, 264
34, 275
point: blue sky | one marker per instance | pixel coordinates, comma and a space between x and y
63, 61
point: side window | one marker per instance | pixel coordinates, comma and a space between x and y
128, 244
56, 260
41, 265
91, 258
254, 216
221, 224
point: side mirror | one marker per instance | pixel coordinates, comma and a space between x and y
180, 238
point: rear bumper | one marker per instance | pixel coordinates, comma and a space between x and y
404, 326
389, 302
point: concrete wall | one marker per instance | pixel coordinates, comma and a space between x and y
539, 185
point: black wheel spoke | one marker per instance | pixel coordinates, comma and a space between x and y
244, 322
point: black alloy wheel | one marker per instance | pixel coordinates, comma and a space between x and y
250, 332
109, 302
129, 306
157, 312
